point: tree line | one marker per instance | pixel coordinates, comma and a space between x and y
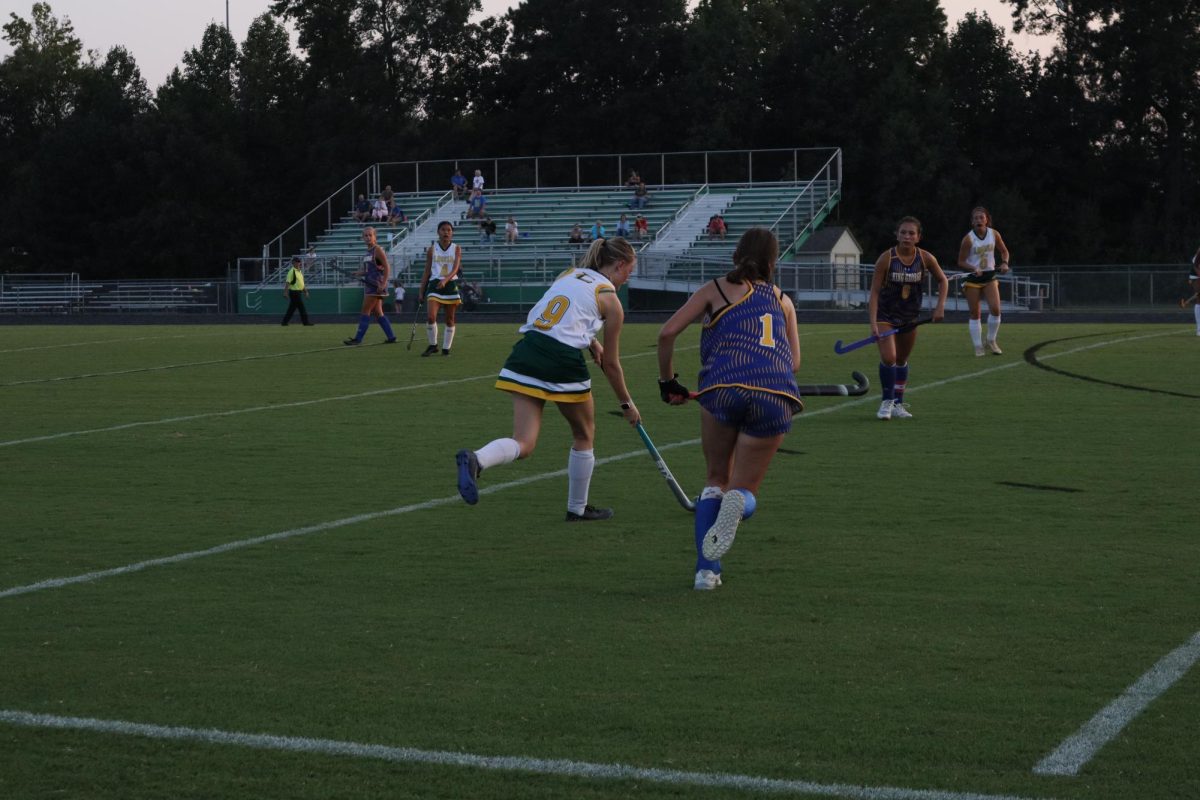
1088, 154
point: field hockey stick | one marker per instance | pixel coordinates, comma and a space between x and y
860, 387
412, 333
841, 349
1185, 302
676, 489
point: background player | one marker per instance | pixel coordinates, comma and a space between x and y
896, 289
978, 253
548, 364
374, 273
749, 353
439, 286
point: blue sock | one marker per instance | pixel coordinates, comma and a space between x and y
387, 327
887, 379
706, 515
364, 322
901, 381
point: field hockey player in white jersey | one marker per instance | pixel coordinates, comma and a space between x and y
439, 287
547, 364
978, 255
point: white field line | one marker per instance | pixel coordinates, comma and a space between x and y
1078, 748
236, 411
88, 577
444, 758
117, 341
166, 367
277, 407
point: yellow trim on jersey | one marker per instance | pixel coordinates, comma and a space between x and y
432, 299
750, 388
542, 394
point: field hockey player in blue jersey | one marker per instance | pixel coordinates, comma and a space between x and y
749, 354
896, 286
374, 273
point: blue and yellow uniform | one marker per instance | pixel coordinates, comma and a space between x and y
374, 279
746, 378
900, 295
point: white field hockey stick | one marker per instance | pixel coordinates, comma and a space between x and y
677, 490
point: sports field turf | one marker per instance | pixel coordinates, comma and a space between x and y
234, 564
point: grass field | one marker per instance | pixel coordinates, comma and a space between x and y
233, 564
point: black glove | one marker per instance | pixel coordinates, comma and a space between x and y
667, 389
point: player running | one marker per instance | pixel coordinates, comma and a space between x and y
977, 254
548, 364
749, 353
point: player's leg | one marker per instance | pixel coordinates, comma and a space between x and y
887, 371
718, 442
448, 335
381, 317
973, 324
752, 455
364, 320
905, 342
527, 424
581, 461
431, 312
992, 293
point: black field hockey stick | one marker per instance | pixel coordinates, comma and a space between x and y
860, 387
412, 332
842, 349
676, 489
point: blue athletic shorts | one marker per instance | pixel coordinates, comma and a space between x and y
756, 413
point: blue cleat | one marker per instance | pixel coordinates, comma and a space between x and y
468, 471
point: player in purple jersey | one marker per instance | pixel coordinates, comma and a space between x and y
749, 352
895, 302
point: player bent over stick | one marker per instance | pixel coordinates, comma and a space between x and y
749, 353
548, 364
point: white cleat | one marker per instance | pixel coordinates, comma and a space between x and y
706, 580
979, 351
994, 348
719, 538
885, 410
900, 410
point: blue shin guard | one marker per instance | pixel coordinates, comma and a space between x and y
706, 515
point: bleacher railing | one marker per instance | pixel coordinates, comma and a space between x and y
535, 173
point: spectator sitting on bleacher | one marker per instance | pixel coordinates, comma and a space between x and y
477, 181
511, 234
716, 227
388, 196
597, 231
623, 228
477, 205
379, 210
396, 216
487, 230
362, 209
641, 196
633, 180
641, 228
576, 235
458, 185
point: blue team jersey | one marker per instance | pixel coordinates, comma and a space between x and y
745, 345
900, 295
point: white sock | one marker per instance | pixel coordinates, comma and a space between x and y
497, 452
712, 493
431, 333
448, 337
579, 478
1196, 311
976, 332
993, 326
